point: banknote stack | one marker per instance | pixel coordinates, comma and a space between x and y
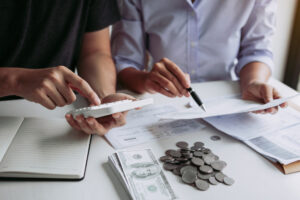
197, 166
141, 175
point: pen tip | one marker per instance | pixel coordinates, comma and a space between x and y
203, 108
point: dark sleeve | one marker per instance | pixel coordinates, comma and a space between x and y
102, 13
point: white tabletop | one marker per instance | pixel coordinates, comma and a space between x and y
256, 178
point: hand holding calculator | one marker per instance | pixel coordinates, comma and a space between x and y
110, 108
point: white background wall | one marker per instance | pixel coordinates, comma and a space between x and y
285, 17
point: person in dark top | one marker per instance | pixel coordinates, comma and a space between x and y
41, 44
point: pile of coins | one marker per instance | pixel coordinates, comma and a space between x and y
196, 165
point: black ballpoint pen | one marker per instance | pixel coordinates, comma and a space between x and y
196, 98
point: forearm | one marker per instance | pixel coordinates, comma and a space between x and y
133, 79
99, 71
255, 71
7, 81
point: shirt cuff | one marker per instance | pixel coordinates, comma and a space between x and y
254, 58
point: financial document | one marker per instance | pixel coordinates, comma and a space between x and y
277, 137
145, 126
245, 126
283, 145
224, 106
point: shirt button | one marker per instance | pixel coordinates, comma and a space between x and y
193, 44
193, 72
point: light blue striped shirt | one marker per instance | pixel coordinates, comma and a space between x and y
207, 39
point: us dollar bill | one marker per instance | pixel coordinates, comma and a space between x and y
140, 173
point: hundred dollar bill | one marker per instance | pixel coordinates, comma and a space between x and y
114, 163
144, 177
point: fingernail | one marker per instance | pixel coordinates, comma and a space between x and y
117, 115
90, 122
97, 101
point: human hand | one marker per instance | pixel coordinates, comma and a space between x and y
263, 93
102, 125
168, 79
52, 87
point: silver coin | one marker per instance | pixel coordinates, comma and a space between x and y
198, 154
215, 138
208, 158
184, 150
168, 152
188, 168
197, 161
175, 162
199, 144
228, 181
176, 171
212, 180
201, 185
187, 155
220, 177
195, 148
218, 165
182, 160
203, 176
173, 153
182, 145
165, 158
169, 167
206, 169
217, 157
189, 177
206, 150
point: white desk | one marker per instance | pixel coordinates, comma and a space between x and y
256, 178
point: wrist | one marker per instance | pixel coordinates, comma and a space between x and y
253, 73
134, 79
9, 81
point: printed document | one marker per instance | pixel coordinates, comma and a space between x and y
145, 126
277, 137
224, 106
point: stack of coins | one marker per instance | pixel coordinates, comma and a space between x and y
197, 166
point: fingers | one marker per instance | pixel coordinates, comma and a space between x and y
117, 97
157, 88
92, 126
66, 92
96, 127
46, 101
174, 69
83, 124
278, 96
165, 84
120, 119
81, 86
72, 122
170, 78
267, 93
56, 97
180, 90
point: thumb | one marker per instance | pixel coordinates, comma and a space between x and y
267, 94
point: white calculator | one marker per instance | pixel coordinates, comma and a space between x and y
110, 108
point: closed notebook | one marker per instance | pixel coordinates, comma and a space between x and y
41, 148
